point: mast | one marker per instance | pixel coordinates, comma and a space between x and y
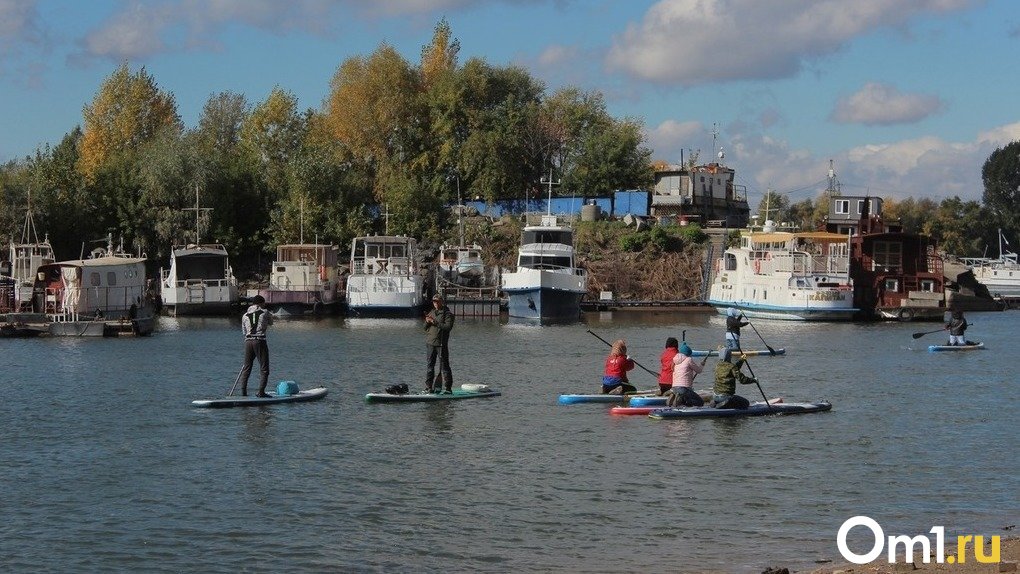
198, 211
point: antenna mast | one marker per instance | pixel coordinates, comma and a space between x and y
198, 211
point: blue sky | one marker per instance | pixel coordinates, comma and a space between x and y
908, 97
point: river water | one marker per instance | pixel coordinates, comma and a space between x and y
107, 467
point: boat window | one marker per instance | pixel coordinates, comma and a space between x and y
202, 267
281, 269
888, 256
94, 279
731, 262
111, 278
928, 285
546, 236
892, 285
537, 262
473, 254
449, 255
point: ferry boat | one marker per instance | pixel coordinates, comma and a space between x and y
798, 276
199, 281
303, 280
104, 295
1002, 275
385, 278
546, 286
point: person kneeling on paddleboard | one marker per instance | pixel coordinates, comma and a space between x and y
727, 375
666, 365
684, 370
957, 326
617, 365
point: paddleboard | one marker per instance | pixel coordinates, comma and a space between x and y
747, 353
253, 401
424, 397
755, 410
573, 399
632, 410
938, 348
646, 401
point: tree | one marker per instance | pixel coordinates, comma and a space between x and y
1001, 177
127, 111
957, 227
774, 206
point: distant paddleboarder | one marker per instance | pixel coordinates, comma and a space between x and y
733, 325
957, 326
254, 324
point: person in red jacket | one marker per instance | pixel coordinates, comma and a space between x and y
617, 365
666, 365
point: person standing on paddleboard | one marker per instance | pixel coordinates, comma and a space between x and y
617, 365
733, 325
254, 324
957, 326
666, 365
438, 324
684, 370
727, 375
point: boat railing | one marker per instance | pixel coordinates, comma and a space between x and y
769, 263
381, 284
97, 303
392, 266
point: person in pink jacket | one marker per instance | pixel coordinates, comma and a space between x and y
685, 369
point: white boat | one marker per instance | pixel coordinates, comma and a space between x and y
199, 281
385, 277
546, 286
100, 296
801, 276
1002, 275
461, 263
24, 259
303, 280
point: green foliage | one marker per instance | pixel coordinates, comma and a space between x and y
1001, 177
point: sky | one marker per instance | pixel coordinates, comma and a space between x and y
907, 98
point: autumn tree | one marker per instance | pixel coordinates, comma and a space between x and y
1001, 177
128, 110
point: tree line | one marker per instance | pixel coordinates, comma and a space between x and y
391, 136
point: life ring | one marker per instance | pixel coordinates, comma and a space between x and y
906, 315
757, 265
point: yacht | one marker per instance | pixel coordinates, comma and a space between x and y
385, 278
1002, 275
546, 286
199, 281
799, 276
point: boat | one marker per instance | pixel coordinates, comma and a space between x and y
800, 276
385, 277
17, 274
1001, 275
102, 296
547, 286
199, 280
755, 410
968, 347
303, 280
461, 264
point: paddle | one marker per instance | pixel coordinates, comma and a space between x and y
757, 384
653, 373
919, 335
771, 350
231, 393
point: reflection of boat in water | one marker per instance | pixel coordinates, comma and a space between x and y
1001, 275
801, 276
100, 296
385, 278
303, 280
546, 286
199, 281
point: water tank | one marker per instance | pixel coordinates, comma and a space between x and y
591, 212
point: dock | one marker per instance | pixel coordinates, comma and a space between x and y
472, 301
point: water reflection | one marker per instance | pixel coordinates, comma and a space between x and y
256, 424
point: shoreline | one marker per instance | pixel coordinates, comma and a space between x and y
1008, 559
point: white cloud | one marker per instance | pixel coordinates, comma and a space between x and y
19, 28
692, 42
132, 34
556, 55
882, 104
670, 138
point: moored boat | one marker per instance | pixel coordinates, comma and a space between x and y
199, 281
17, 274
104, 295
303, 280
385, 277
547, 286
801, 276
1001, 275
